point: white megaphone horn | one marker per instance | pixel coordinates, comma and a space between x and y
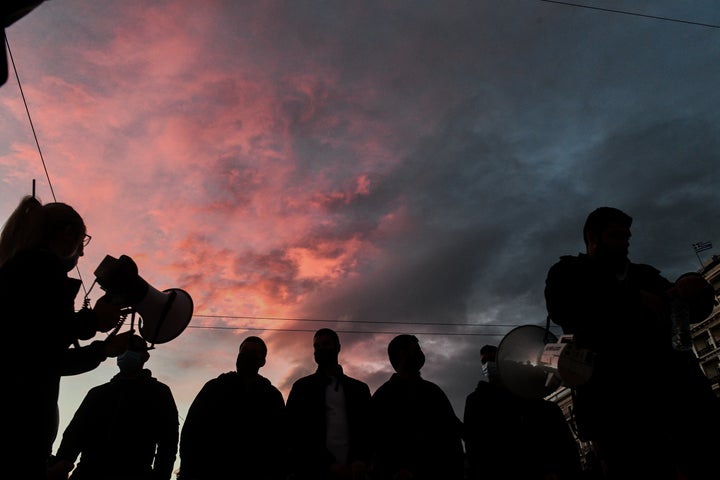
532, 362
164, 314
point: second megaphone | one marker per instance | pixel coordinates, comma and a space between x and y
532, 362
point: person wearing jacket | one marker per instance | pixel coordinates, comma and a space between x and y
328, 413
508, 436
235, 426
648, 405
39, 245
126, 429
416, 434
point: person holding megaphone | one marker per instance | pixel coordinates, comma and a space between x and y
647, 408
39, 245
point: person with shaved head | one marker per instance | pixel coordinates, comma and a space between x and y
235, 427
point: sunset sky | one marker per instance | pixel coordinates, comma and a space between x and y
373, 167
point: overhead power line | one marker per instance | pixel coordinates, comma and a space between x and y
623, 12
326, 320
356, 331
364, 332
32, 126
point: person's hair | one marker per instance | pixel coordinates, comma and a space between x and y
330, 333
488, 350
33, 224
257, 341
600, 218
397, 346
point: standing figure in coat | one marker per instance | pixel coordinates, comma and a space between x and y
126, 429
509, 437
235, 428
647, 406
416, 434
328, 413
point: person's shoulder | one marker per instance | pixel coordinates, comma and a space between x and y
221, 381
265, 383
385, 388
101, 389
164, 387
645, 269
355, 382
482, 387
271, 389
306, 381
432, 387
568, 265
569, 261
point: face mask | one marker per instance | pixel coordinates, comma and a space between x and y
489, 369
130, 361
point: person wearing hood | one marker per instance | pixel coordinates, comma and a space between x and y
328, 413
235, 427
126, 429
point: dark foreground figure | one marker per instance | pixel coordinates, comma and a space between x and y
648, 409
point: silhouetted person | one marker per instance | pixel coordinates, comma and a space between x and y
126, 429
235, 428
509, 437
328, 413
647, 408
416, 434
39, 245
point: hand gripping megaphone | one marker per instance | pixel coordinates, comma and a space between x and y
164, 314
532, 362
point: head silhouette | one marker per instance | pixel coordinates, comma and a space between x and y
405, 354
134, 358
55, 226
607, 235
326, 347
251, 355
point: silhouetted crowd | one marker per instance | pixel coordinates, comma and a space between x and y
332, 427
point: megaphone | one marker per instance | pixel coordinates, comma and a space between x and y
532, 362
164, 315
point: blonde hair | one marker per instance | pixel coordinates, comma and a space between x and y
33, 224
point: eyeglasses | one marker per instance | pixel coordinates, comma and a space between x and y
86, 240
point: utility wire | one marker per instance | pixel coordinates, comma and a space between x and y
37, 143
32, 126
364, 332
325, 320
385, 332
623, 12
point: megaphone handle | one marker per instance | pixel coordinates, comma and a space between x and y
120, 324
